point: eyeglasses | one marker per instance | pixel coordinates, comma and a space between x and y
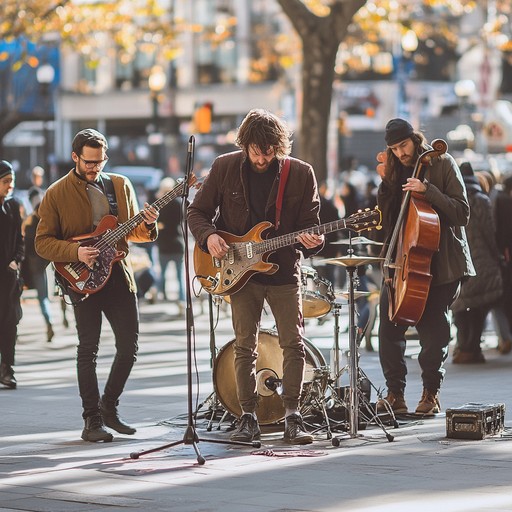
91, 164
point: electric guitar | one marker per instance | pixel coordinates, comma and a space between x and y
249, 253
83, 279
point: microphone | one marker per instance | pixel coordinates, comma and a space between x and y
189, 166
272, 383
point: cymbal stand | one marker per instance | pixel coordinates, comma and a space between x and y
353, 357
335, 362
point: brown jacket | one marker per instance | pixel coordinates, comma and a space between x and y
66, 212
222, 203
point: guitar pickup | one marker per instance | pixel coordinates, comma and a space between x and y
249, 252
69, 269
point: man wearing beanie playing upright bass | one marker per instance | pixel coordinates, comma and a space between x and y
440, 184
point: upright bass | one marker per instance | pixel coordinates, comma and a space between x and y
415, 239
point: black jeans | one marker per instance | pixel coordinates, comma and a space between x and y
10, 314
121, 310
434, 335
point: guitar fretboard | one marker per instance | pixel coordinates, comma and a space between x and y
273, 244
111, 238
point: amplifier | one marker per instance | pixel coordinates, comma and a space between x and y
475, 421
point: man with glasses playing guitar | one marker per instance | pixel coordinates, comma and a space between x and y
84, 200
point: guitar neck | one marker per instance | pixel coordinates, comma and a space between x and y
273, 244
126, 227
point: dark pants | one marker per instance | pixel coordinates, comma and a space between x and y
10, 314
434, 335
121, 310
470, 326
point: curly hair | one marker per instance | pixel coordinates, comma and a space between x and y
266, 131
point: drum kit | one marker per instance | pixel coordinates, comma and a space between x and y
322, 395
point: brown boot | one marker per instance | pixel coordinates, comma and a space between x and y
394, 401
429, 403
461, 357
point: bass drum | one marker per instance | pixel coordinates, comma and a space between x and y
269, 364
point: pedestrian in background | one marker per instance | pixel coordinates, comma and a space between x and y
170, 243
36, 191
503, 221
478, 293
11, 255
34, 269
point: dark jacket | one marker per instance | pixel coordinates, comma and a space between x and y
447, 195
486, 287
222, 203
11, 248
170, 237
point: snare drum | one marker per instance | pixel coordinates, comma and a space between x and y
317, 293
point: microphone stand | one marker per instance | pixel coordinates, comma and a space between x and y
190, 437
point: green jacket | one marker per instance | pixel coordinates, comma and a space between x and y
66, 212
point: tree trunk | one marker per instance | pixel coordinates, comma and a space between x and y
321, 37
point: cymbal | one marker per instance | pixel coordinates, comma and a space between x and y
357, 240
352, 261
357, 294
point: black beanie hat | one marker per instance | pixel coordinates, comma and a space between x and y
5, 168
397, 130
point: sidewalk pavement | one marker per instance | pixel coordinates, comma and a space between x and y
44, 465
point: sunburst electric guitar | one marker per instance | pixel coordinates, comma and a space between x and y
249, 253
83, 279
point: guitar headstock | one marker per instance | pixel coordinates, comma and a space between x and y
365, 220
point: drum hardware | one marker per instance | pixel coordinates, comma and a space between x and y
351, 262
357, 294
313, 397
356, 240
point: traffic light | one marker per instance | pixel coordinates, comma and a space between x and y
203, 118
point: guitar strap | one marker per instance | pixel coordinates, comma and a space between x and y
108, 188
280, 191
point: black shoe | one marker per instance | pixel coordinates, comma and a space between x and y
247, 429
295, 432
112, 419
7, 376
94, 431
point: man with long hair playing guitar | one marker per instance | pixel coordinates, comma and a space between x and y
73, 206
242, 187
